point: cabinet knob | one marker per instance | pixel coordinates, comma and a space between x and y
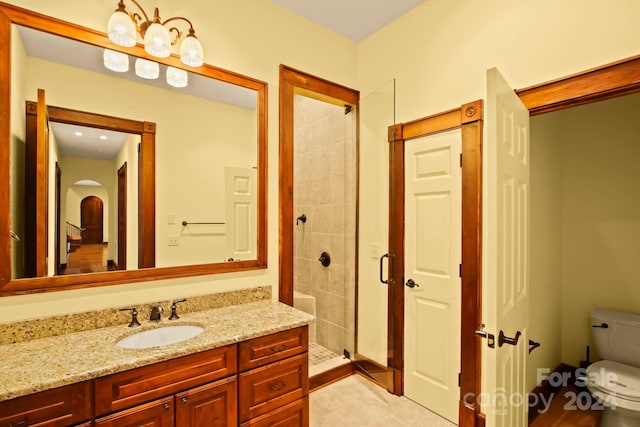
184, 400
278, 386
283, 347
167, 407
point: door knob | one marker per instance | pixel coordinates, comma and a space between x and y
411, 284
533, 345
503, 339
491, 341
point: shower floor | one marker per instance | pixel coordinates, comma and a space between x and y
322, 359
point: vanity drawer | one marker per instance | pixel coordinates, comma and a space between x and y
159, 413
62, 406
294, 414
272, 386
260, 351
129, 388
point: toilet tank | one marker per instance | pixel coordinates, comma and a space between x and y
620, 340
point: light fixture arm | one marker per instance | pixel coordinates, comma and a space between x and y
143, 22
179, 33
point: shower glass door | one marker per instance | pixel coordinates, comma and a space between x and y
374, 347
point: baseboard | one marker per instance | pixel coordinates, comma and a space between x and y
545, 391
330, 376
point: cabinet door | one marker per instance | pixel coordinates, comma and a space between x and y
295, 414
58, 407
158, 413
269, 387
211, 405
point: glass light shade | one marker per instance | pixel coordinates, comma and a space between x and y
147, 69
116, 61
121, 29
191, 52
176, 77
157, 41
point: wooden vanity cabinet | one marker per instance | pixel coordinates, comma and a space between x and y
260, 382
274, 379
59, 407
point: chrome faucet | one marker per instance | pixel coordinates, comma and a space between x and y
156, 310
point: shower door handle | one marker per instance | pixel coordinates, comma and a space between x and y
391, 265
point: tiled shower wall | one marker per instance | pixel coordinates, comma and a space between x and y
325, 191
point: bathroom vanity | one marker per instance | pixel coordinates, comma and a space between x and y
249, 368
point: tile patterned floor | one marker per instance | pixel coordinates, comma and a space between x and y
322, 359
356, 401
319, 354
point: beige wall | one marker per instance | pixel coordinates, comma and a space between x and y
251, 37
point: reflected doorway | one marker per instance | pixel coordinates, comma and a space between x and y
92, 220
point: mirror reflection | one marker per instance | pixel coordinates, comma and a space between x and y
204, 157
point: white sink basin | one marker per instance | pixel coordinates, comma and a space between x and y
160, 336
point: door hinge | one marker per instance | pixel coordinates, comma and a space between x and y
460, 270
138, 147
459, 379
460, 159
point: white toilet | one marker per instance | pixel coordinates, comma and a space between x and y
616, 379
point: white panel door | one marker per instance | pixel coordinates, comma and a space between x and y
433, 219
505, 253
241, 213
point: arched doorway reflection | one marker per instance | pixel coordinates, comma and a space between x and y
92, 219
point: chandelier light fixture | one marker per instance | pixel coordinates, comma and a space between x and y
158, 36
116, 61
176, 77
147, 69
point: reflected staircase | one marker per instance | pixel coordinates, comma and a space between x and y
74, 237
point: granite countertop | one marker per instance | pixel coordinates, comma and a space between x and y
41, 364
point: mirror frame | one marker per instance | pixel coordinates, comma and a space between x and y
10, 14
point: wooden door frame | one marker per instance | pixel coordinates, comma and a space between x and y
122, 217
293, 82
604, 82
468, 118
36, 184
57, 198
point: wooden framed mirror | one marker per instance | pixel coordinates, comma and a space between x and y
171, 203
